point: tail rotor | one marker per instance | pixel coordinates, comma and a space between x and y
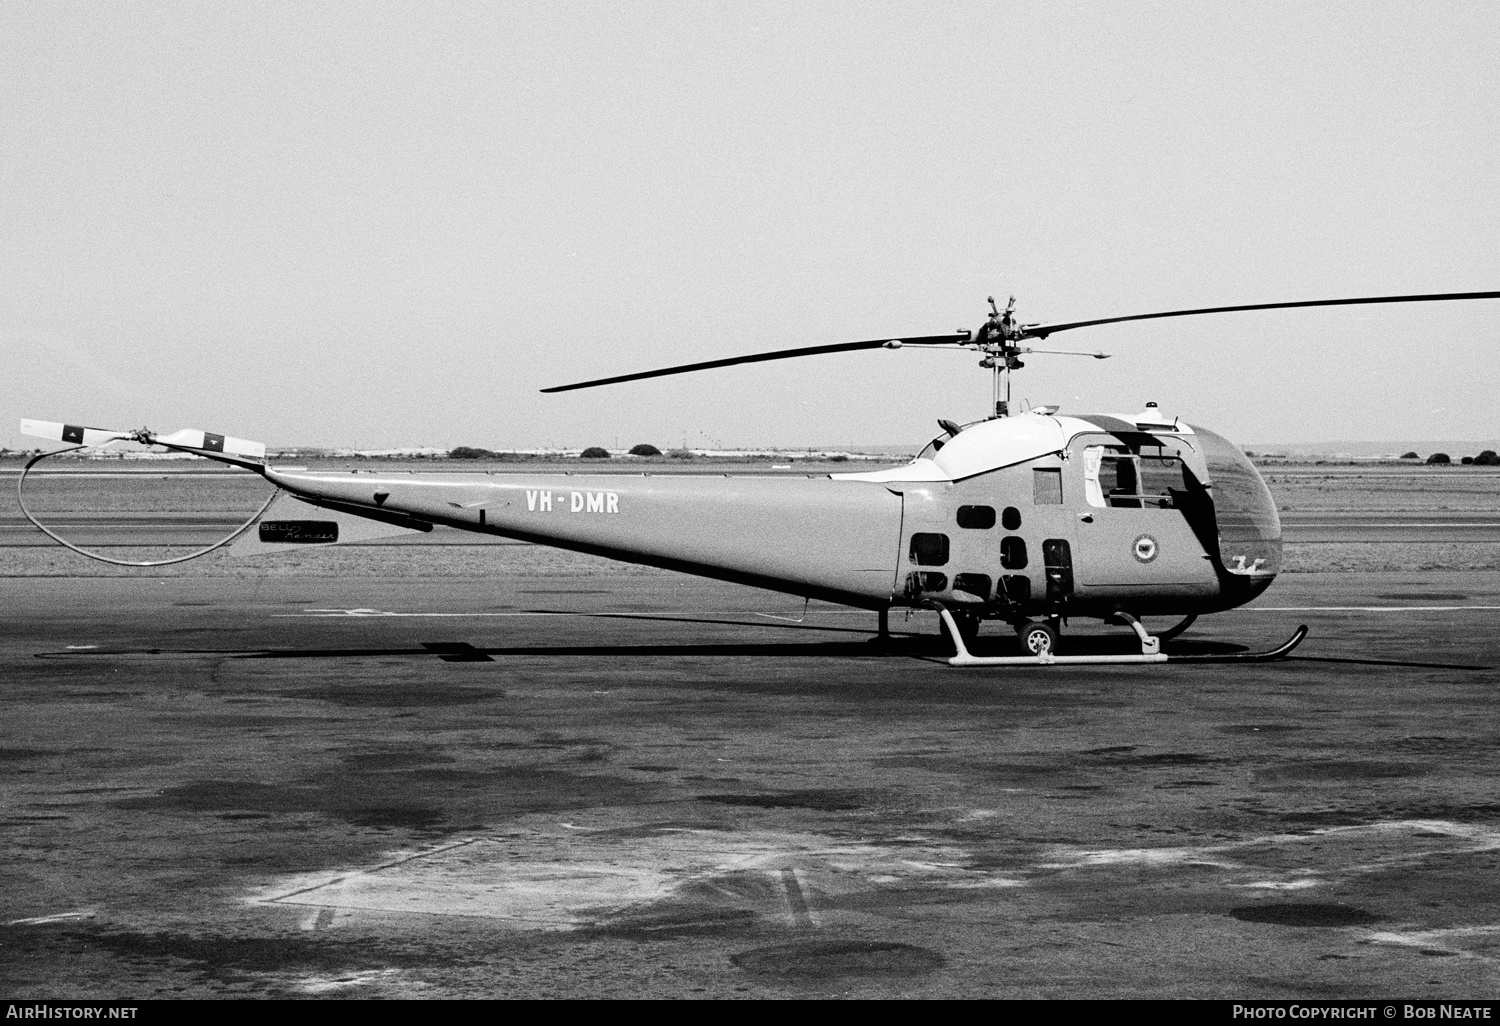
222, 448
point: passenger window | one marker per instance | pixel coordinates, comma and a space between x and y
929, 549
977, 585
1058, 560
1013, 553
916, 583
1016, 588
979, 518
1046, 487
1011, 519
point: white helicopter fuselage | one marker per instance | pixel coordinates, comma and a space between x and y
1014, 517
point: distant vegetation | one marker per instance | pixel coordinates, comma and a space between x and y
1410, 456
1487, 458
594, 452
469, 452
644, 449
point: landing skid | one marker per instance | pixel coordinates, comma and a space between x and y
1150, 651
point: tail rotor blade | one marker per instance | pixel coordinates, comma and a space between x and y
73, 434
188, 438
207, 441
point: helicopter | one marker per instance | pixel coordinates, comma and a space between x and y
1029, 517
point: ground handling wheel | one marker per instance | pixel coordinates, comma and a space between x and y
1037, 638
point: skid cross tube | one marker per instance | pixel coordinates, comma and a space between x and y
1151, 651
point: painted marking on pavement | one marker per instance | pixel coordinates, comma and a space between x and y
1365, 609
59, 917
315, 613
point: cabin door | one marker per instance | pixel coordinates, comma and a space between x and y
1131, 533
1042, 538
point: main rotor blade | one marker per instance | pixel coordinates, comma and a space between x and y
780, 354
1043, 330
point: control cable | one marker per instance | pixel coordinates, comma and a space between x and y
21, 499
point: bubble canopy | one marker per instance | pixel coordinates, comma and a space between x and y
1249, 528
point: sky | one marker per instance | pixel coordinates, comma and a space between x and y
388, 224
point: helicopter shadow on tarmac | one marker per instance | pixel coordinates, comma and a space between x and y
927, 647
924, 649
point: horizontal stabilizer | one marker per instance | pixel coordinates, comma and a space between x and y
71, 433
192, 438
293, 525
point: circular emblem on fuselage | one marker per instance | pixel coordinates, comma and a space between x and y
1144, 548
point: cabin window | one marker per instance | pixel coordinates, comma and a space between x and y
1013, 553
1046, 487
1016, 588
1093, 466
1113, 477
1058, 560
1159, 477
1120, 482
929, 549
916, 583
977, 585
1011, 519
979, 518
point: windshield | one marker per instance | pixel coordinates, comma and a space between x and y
1249, 529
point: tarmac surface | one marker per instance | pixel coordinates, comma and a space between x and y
538, 785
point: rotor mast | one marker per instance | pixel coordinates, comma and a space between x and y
999, 340
996, 340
